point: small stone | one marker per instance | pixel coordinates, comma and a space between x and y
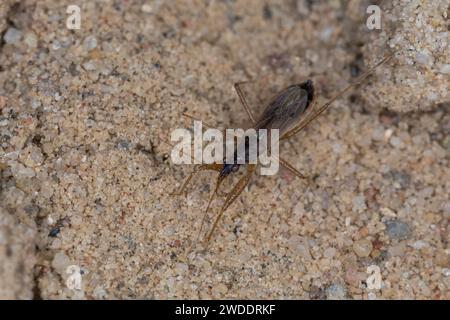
336, 292
359, 203
219, 290
419, 244
12, 35
60, 262
99, 293
371, 296
446, 272
445, 69
90, 43
3, 101
362, 247
375, 254
89, 66
31, 156
352, 277
329, 253
401, 177
146, 8
56, 45
31, 40
123, 145
20, 171
388, 212
396, 142
169, 230
397, 229
424, 58
300, 246
316, 293
397, 251
181, 268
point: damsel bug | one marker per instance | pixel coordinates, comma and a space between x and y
284, 112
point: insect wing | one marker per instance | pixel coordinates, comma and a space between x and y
284, 110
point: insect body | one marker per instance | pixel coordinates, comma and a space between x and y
290, 111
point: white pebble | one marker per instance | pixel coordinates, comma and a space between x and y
146, 8
90, 43
371, 296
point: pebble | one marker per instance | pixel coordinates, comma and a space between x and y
300, 246
99, 293
336, 292
446, 272
352, 277
12, 35
397, 229
3, 101
359, 203
396, 142
362, 247
89, 66
371, 296
329, 253
424, 58
90, 43
388, 212
31, 40
219, 290
181, 268
419, 244
401, 177
146, 8
56, 45
31, 156
445, 69
397, 251
18, 170
60, 262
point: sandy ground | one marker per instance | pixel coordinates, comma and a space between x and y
85, 210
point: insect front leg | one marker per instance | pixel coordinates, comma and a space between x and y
232, 195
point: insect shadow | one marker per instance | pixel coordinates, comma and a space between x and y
290, 111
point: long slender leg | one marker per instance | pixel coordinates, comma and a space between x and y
218, 183
291, 168
314, 114
196, 119
240, 93
235, 192
197, 168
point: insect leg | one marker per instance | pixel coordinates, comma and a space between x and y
234, 193
240, 93
218, 183
314, 114
291, 168
197, 168
196, 119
